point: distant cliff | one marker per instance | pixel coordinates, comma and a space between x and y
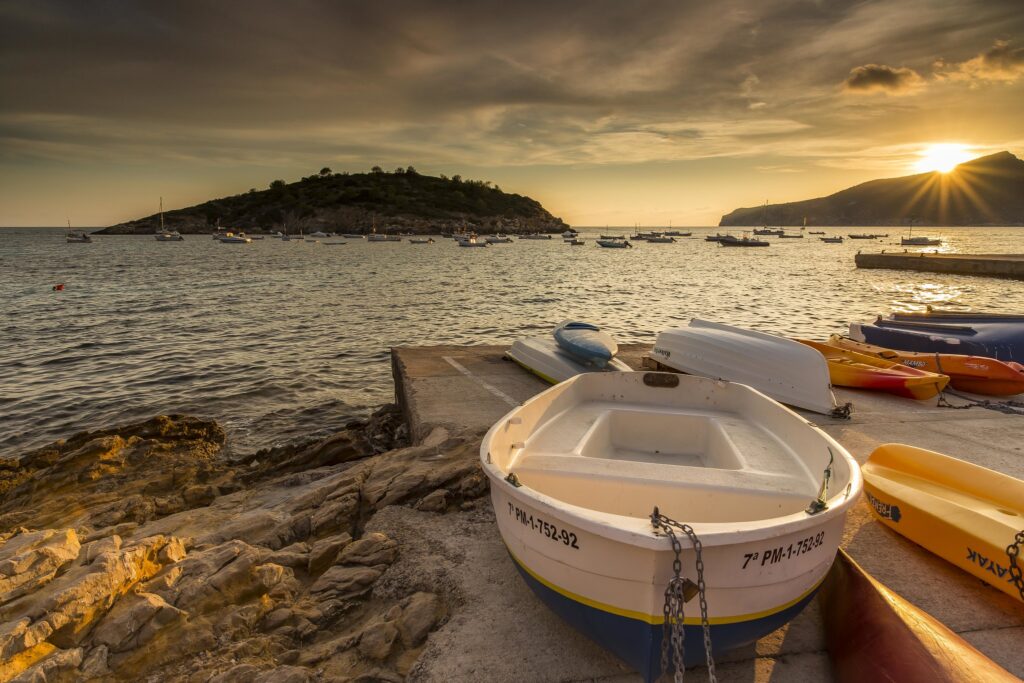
986, 191
403, 200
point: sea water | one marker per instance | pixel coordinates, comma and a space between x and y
286, 340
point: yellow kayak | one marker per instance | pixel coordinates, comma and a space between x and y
965, 514
858, 370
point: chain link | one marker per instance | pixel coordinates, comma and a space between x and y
1012, 551
679, 591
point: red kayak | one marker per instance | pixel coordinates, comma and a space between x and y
875, 635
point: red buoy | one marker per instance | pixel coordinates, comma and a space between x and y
59, 288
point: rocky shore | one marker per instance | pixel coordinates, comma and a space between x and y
148, 552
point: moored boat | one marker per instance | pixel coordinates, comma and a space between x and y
832, 240
976, 334
78, 237
976, 374
233, 238
587, 477
575, 242
743, 242
966, 514
860, 371
615, 244
419, 240
779, 367
873, 634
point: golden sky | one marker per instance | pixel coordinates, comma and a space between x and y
608, 112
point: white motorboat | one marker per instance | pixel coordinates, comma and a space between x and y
777, 366
615, 244
577, 242
920, 241
569, 234
588, 477
535, 236
497, 239
471, 241
319, 233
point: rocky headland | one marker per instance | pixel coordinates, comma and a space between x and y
150, 552
986, 191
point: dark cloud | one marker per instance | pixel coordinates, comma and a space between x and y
872, 78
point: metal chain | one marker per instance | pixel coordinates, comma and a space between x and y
1012, 551
679, 591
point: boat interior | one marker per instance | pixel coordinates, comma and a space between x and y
696, 463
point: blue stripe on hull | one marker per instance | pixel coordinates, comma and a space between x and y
639, 644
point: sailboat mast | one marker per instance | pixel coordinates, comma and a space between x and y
161, 214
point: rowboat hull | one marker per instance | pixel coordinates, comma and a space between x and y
781, 368
586, 342
991, 336
974, 374
873, 634
963, 513
544, 358
591, 457
860, 371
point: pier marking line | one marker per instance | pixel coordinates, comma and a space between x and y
486, 385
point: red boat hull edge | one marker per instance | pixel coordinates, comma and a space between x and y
875, 635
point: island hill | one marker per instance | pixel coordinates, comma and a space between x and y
986, 191
356, 202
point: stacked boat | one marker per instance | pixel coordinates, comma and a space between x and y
574, 347
978, 334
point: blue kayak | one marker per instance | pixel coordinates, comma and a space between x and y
586, 342
973, 334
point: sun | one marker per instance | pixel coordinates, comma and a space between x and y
942, 157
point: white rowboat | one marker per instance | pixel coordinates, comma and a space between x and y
544, 358
777, 366
576, 472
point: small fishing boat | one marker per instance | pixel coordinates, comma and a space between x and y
873, 634
418, 240
976, 374
743, 242
779, 232
553, 364
920, 241
996, 336
832, 240
497, 239
535, 236
861, 237
334, 244
319, 233
718, 237
661, 239
353, 235
612, 237
234, 238
779, 367
860, 371
787, 236
615, 244
588, 478
569, 234
165, 235
586, 341
966, 514
815, 232
576, 242
472, 241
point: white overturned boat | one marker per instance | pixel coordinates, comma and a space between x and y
546, 359
779, 367
577, 471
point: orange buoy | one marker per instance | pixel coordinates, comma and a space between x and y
59, 288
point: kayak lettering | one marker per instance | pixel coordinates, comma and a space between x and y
545, 529
989, 565
775, 555
661, 352
885, 510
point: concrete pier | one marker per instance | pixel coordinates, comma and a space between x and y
987, 265
508, 634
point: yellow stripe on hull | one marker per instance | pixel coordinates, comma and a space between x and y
963, 513
544, 377
657, 619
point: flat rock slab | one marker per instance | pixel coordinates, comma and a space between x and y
471, 387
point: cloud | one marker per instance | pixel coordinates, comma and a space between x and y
1001, 62
872, 78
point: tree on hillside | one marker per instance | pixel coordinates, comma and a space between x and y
277, 185
411, 171
376, 169
325, 171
